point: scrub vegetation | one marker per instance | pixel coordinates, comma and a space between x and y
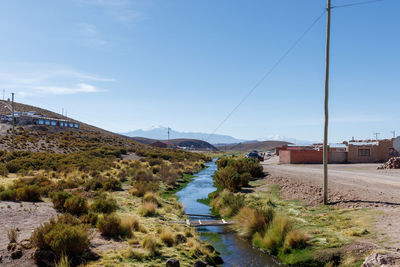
297, 234
99, 194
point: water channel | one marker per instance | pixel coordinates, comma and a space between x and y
234, 250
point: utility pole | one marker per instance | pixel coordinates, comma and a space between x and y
394, 133
13, 121
326, 106
168, 136
4, 94
63, 111
376, 136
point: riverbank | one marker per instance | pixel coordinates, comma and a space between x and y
324, 234
234, 250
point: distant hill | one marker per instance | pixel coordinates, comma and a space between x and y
263, 146
161, 133
182, 142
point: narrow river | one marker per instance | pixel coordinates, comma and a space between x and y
234, 250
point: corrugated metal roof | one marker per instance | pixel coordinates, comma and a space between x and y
374, 143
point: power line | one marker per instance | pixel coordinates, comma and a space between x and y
358, 3
267, 73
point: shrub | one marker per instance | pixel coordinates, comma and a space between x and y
12, 235
64, 239
90, 218
168, 174
143, 175
8, 195
150, 244
227, 203
151, 197
252, 220
295, 240
76, 205
141, 187
112, 184
102, 205
276, 233
64, 236
59, 199
233, 173
109, 225
28, 193
129, 224
167, 238
3, 170
93, 184
228, 178
148, 209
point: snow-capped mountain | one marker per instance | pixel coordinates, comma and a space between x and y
278, 137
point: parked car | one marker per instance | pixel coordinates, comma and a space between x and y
255, 155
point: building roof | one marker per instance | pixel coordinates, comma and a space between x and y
369, 143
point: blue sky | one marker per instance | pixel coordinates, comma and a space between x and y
124, 65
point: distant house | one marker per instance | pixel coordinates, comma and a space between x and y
366, 151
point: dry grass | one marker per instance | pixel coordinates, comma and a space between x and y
167, 238
12, 235
150, 244
148, 209
151, 197
251, 220
295, 240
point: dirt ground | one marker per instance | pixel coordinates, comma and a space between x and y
350, 186
25, 216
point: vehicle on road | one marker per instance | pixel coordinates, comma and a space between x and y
255, 155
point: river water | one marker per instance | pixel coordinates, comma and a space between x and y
234, 250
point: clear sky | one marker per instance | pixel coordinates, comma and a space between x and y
128, 64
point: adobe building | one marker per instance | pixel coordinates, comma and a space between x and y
368, 151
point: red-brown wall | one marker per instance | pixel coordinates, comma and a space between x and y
300, 156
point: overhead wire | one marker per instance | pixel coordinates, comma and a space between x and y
358, 3
260, 81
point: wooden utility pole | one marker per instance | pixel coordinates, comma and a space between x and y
325, 158
13, 121
168, 137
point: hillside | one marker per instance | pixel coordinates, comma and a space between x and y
182, 142
161, 133
263, 146
5, 109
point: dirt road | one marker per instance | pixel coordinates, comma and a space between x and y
358, 183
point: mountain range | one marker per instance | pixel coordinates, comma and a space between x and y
161, 133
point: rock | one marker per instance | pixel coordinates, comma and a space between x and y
377, 259
16, 254
1, 258
172, 263
200, 264
180, 239
11, 246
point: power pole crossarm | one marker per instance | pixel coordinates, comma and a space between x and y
326, 106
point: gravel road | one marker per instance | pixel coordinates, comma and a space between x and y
354, 182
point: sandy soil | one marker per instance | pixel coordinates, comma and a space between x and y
350, 185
